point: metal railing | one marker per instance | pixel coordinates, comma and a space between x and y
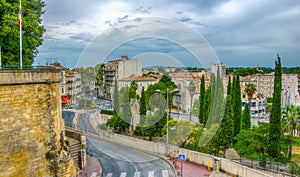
17, 67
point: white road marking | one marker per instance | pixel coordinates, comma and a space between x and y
165, 173
93, 174
151, 174
109, 175
123, 174
137, 174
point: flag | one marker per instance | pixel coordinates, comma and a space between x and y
20, 22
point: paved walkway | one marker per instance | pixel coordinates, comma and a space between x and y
191, 169
93, 168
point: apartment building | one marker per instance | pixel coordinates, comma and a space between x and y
73, 85
70, 83
119, 69
265, 84
257, 103
141, 81
182, 80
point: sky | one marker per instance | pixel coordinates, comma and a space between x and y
238, 33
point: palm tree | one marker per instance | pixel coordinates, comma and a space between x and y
191, 88
290, 119
250, 90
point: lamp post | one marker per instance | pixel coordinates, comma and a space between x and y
167, 123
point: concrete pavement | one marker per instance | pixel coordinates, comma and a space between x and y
93, 168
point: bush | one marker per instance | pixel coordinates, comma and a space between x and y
108, 112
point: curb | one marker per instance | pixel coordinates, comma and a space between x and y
112, 141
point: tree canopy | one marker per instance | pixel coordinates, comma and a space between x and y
32, 31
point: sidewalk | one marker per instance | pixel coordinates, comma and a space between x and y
93, 168
191, 169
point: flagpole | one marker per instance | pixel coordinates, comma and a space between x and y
20, 16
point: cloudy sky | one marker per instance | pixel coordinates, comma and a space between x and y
239, 32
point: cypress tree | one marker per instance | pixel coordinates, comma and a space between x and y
246, 118
201, 101
275, 117
126, 110
226, 127
229, 86
143, 109
237, 105
116, 98
207, 103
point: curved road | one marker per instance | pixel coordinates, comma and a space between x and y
120, 161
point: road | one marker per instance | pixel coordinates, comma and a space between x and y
68, 118
120, 161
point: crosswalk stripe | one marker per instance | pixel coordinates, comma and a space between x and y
151, 174
165, 173
123, 174
93, 174
137, 174
109, 175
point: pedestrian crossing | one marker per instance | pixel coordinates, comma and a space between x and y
164, 173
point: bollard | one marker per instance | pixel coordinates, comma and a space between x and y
208, 165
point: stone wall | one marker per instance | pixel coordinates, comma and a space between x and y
31, 125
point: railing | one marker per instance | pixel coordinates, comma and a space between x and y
15, 67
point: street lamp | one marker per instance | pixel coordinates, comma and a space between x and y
167, 133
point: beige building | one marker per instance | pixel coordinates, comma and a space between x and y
141, 81
119, 69
70, 83
73, 85
182, 80
265, 85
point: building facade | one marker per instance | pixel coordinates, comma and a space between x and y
73, 85
119, 69
141, 82
265, 84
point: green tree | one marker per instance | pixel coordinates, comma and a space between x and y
116, 97
32, 31
226, 127
229, 85
191, 88
237, 104
87, 75
100, 72
207, 105
132, 90
253, 142
125, 109
143, 109
202, 101
275, 132
290, 120
246, 118
250, 90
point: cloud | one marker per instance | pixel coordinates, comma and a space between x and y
234, 28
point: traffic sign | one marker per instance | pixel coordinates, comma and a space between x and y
181, 157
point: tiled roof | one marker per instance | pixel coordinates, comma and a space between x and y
138, 78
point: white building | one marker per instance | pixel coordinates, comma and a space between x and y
265, 85
119, 69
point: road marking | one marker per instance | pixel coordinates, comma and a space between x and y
137, 174
165, 173
151, 174
109, 175
93, 174
123, 174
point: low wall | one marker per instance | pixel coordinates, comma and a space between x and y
196, 157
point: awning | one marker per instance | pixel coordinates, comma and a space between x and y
65, 100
